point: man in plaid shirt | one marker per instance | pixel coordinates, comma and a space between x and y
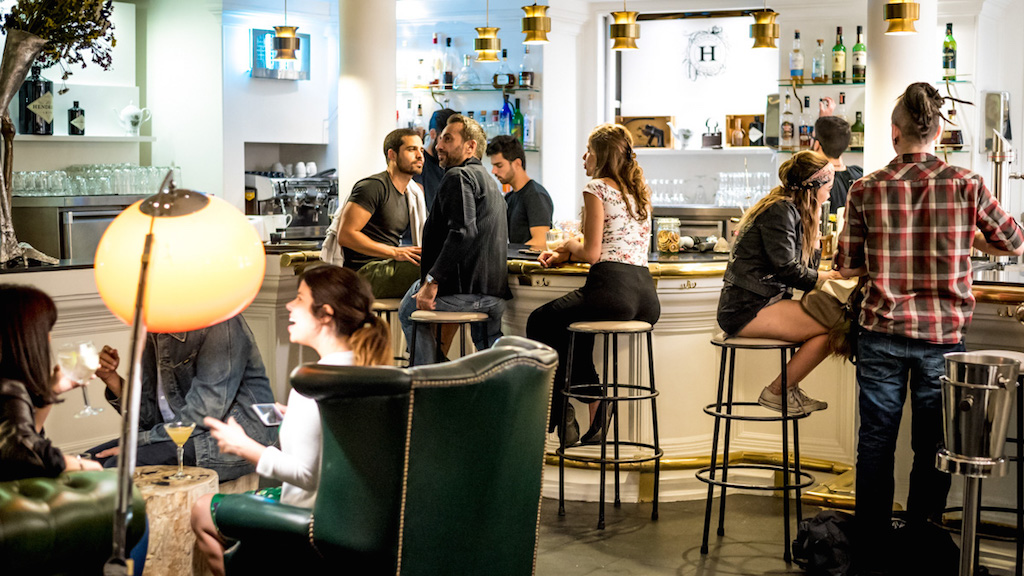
910, 228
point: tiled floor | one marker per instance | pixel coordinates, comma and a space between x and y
631, 544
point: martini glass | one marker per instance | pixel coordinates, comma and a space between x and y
179, 431
79, 361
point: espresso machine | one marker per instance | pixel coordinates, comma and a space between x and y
310, 201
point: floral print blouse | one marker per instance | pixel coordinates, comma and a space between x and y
624, 239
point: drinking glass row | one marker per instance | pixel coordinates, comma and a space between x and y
91, 180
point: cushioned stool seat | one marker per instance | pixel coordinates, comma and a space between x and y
387, 308
439, 318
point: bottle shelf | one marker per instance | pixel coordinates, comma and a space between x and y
84, 139
729, 150
809, 84
483, 88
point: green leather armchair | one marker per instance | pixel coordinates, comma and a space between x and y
62, 525
430, 470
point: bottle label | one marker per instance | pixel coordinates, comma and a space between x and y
79, 122
796, 62
526, 78
838, 62
949, 61
856, 139
43, 107
860, 58
805, 136
787, 131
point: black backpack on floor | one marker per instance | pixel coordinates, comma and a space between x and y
822, 546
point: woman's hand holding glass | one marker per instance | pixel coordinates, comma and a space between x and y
232, 439
559, 255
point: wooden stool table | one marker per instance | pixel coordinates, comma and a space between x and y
172, 545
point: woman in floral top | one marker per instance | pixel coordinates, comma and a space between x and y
616, 236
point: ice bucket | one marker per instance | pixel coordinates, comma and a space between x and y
977, 397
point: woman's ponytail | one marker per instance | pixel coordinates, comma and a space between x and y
371, 342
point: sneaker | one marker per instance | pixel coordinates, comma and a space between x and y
798, 402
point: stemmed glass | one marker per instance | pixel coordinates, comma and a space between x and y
179, 431
79, 361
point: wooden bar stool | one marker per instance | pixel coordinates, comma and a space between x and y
635, 391
387, 308
439, 319
724, 411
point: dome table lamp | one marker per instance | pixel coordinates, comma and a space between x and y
174, 262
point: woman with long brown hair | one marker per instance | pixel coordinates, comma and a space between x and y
776, 251
616, 236
331, 314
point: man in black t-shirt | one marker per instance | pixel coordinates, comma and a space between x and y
529, 204
430, 178
379, 211
831, 138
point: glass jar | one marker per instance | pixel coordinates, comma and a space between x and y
667, 236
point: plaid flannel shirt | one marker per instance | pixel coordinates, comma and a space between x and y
912, 224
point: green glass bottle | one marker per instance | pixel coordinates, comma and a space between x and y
517, 122
949, 54
857, 132
860, 58
839, 58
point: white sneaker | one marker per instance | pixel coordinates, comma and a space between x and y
797, 401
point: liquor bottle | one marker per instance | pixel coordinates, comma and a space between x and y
518, 122
505, 117
529, 124
840, 110
806, 125
76, 120
857, 132
470, 115
839, 58
422, 79
408, 119
35, 105
949, 54
755, 131
418, 123
796, 62
450, 61
860, 58
436, 63
819, 69
952, 137
467, 78
787, 127
736, 133
526, 75
503, 77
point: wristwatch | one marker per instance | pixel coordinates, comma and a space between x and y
430, 279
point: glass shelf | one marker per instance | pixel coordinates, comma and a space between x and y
807, 83
731, 150
483, 88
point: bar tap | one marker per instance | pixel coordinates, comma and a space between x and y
1002, 153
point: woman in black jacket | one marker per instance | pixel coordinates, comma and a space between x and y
777, 250
28, 387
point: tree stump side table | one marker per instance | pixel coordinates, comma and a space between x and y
172, 545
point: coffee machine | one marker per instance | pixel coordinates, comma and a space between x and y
310, 201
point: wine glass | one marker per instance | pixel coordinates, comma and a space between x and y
79, 361
179, 431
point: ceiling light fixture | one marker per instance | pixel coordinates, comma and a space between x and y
624, 30
286, 42
901, 16
536, 24
764, 30
487, 44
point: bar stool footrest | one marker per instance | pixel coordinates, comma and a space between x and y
646, 394
656, 454
714, 410
1002, 533
704, 475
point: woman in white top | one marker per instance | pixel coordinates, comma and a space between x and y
616, 237
331, 314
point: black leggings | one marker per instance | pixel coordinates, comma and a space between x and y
613, 291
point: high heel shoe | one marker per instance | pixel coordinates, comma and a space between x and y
599, 427
571, 428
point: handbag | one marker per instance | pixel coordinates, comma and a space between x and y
835, 304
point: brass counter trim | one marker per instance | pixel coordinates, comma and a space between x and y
697, 462
998, 293
303, 257
657, 269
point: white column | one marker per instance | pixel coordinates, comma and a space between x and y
894, 62
366, 87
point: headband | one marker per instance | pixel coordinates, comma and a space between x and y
823, 176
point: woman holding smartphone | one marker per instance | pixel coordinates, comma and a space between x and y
616, 236
331, 314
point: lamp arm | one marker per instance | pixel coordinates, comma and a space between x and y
117, 565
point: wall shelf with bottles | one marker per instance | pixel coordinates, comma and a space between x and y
481, 89
84, 139
729, 150
809, 84
852, 150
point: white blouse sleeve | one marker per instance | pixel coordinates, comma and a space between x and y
300, 465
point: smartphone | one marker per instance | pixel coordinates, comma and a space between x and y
268, 414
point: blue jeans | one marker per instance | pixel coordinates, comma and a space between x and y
885, 365
483, 333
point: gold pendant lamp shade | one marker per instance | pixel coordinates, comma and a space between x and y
536, 24
487, 44
286, 42
624, 30
901, 16
764, 30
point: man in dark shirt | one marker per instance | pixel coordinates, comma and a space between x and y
430, 178
465, 243
529, 206
378, 213
831, 138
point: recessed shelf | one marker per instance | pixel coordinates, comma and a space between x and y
91, 139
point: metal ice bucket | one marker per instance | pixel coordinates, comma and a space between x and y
977, 397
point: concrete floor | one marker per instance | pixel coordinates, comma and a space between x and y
632, 544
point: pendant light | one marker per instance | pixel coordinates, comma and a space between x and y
487, 43
536, 24
624, 30
901, 16
764, 30
286, 42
